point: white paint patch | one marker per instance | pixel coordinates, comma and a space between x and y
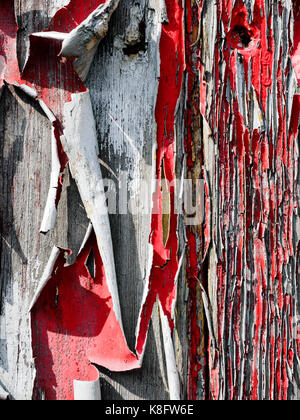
3, 394
83, 41
81, 145
172, 371
87, 391
51, 117
58, 36
50, 212
58, 4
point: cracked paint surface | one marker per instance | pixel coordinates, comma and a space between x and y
241, 138
250, 113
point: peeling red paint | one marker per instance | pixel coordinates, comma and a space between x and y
109, 352
73, 14
51, 75
165, 261
296, 43
74, 325
195, 364
9, 67
199, 238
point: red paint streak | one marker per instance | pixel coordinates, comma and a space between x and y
63, 158
296, 46
165, 261
74, 325
197, 357
52, 76
9, 67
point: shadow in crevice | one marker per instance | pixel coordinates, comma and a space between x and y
28, 23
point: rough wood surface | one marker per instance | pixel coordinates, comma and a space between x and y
250, 111
237, 314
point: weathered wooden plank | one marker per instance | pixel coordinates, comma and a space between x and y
237, 313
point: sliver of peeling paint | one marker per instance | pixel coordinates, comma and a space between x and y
50, 212
4, 395
296, 46
88, 390
81, 145
172, 371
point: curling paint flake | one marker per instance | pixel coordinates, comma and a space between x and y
73, 325
296, 43
241, 98
9, 67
